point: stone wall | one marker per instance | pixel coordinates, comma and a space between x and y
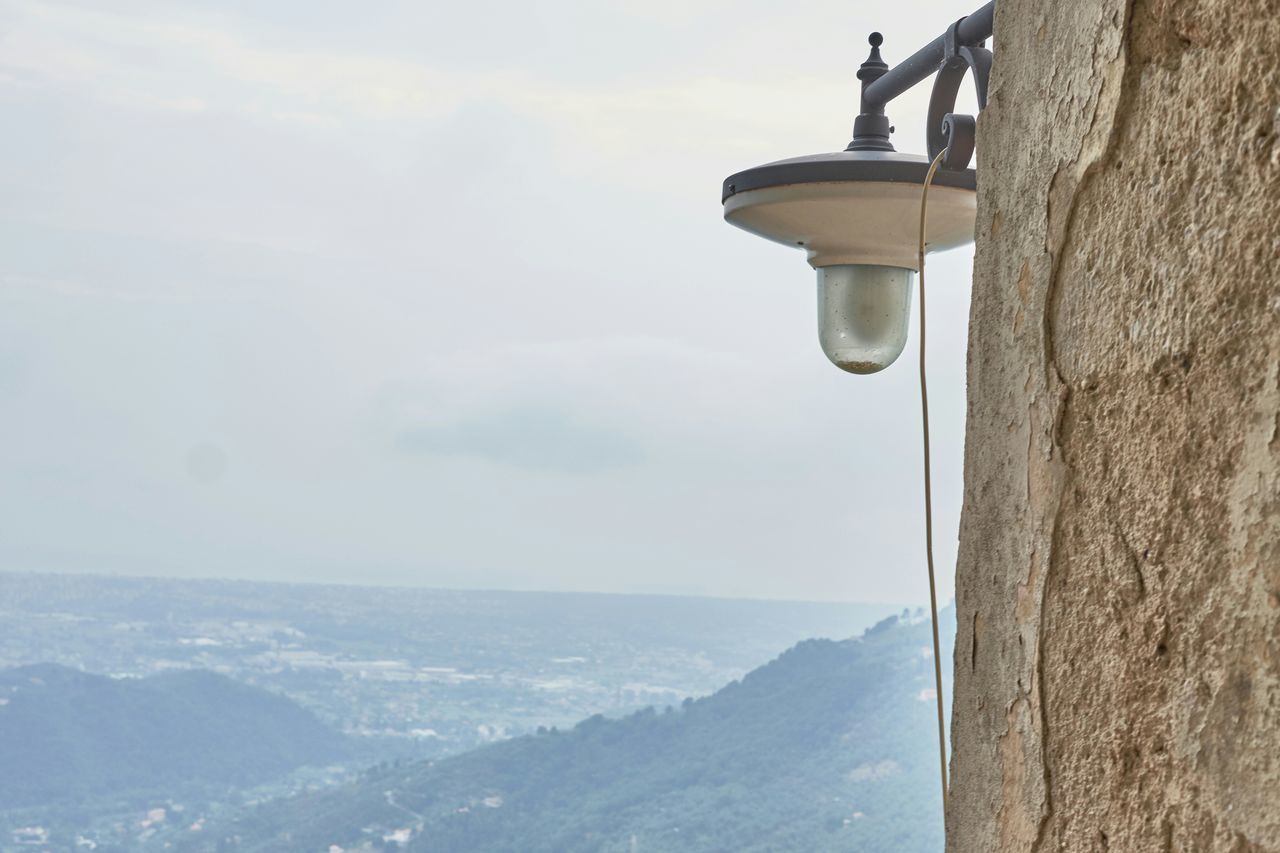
1118, 593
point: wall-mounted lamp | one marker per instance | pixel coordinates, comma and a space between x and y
859, 214
856, 212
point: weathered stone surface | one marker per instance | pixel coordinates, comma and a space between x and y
1118, 587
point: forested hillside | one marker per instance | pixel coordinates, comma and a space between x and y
66, 735
829, 747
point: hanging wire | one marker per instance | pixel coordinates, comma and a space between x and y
928, 498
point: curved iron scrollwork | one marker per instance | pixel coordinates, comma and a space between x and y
955, 132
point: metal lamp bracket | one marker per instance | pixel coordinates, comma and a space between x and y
954, 132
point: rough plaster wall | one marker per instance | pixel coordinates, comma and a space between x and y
1118, 592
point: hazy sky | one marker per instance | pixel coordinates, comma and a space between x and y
440, 294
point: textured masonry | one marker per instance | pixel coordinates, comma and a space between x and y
1118, 593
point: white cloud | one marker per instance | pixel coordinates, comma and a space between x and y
658, 121
302, 244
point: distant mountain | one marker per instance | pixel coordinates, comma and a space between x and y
385, 664
829, 747
66, 734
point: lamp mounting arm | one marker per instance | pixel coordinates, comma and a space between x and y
948, 57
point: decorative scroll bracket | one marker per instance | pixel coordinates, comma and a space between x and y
954, 132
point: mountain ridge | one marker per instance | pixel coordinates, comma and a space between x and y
77, 734
828, 747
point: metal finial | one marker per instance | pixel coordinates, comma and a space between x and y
874, 66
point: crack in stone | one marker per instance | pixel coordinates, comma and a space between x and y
1058, 241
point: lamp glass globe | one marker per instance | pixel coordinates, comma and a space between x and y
863, 315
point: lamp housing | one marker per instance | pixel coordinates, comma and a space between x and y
856, 215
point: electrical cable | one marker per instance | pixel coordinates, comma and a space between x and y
928, 498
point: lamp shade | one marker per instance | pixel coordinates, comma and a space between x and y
856, 214
853, 207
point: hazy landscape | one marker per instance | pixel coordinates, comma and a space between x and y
142, 714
